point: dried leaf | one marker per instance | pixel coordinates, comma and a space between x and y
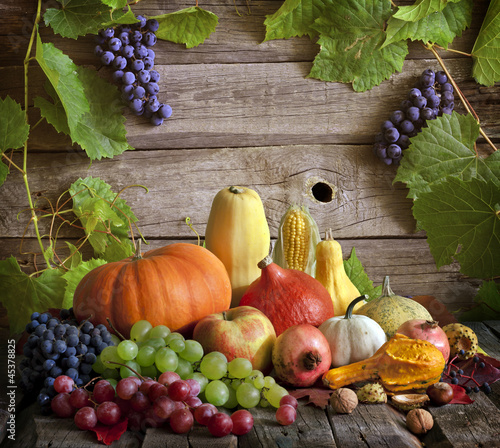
108, 434
318, 396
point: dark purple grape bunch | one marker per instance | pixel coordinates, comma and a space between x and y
127, 49
431, 97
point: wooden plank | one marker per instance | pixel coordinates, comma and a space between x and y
465, 426
311, 429
198, 437
488, 340
261, 104
371, 426
238, 38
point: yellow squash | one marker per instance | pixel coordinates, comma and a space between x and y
238, 234
331, 274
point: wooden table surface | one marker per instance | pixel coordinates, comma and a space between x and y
369, 426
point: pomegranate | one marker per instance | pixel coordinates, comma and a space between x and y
301, 354
427, 330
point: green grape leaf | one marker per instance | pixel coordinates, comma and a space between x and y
294, 19
92, 199
445, 147
440, 27
462, 224
487, 304
351, 41
22, 294
14, 130
421, 9
61, 72
80, 17
75, 275
190, 26
101, 132
76, 256
356, 273
486, 67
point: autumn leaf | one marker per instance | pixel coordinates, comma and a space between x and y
318, 396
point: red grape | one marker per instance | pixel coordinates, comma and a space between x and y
167, 378
137, 380
220, 424
152, 420
140, 402
242, 422
103, 391
85, 418
126, 388
286, 415
289, 399
193, 402
135, 421
181, 421
203, 413
61, 405
108, 413
80, 398
124, 405
63, 384
157, 390
164, 406
146, 385
179, 390
194, 386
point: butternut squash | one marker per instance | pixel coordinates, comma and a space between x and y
331, 274
401, 364
238, 234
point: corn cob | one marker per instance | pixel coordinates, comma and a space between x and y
298, 236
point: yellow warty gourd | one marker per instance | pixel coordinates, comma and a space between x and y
297, 239
238, 234
331, 274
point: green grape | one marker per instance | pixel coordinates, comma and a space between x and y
254, 374
263, 403
166, 359
269, 381
157, 343
177, 345
240, 367
126, 372
113, 382
275, 394
235, 383
202, 379
184, 368
213, 367
110, 373
115, 340
248, 396
232, 401
149, 371
140, 330
216, 354
145, 356
216, 393
98, 366
173, 336
258, 382
110, 353
193, 351
127, 350
160, 331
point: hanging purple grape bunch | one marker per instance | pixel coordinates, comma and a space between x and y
127, 49
431, 97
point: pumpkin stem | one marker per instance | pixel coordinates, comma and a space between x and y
350, 308
137, 255
224, 315
329, 235
236, 190
265, 262
386, 288
312, 360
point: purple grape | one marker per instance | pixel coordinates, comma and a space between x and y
391, 135
405, 104
447, 87
155, 76
447, 98
140, 52
413, 113
141, 21
420, 101
433, 101
148, 63
156, 120
114, 44
428, 113
107, 57
397, 116
406, 127
151, 54
117, 75
446, 111
149, 39
128, 78
152, 88
137, 65
153, 105
152, 25
143, 76
403, 141
107, 33
441, 77
127, 51
124, 37
388, 124
380, 150
98, 51
393, 151
414, 93
139, 92
165, 111
136, 36
119, 63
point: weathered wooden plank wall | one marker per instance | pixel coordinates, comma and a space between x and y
245, 113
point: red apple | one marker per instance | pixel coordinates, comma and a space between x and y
240, 332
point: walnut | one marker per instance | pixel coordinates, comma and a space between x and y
343, 400
419, 421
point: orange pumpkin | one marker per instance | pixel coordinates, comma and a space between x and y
175, 285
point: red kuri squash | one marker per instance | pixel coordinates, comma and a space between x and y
175, 285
